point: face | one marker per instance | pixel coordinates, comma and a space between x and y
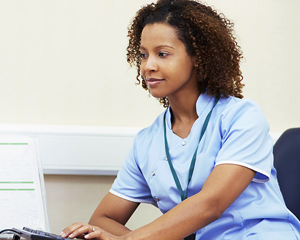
166, 66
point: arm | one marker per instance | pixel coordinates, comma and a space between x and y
111, 215
223, 186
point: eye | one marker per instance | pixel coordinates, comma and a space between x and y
162, 54
143, 55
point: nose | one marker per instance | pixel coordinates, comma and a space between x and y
149, 64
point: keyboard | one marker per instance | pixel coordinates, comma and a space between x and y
32, 234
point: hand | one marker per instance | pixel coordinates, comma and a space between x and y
100, 234
86, 231
77, 230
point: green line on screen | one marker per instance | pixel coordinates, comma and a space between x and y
13, 143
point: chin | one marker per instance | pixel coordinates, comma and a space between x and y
158, 96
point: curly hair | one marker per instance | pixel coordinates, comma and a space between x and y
206, 35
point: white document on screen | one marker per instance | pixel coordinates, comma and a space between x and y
22, 191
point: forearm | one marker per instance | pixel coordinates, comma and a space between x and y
181, 221
112, 214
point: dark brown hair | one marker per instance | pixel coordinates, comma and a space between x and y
206, 35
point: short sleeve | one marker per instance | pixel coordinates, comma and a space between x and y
246, 140
130, 183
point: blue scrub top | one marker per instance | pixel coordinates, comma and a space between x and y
237, 133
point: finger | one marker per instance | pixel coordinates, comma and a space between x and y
81, 231
98, 233
69, 230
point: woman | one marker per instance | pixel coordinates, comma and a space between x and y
207, 161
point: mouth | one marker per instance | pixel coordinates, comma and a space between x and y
153, 81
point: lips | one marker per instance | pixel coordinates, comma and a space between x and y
152, 82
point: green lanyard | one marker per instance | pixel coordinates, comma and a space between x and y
192, 166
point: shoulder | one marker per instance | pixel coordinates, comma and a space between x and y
152, 129
245, 138
229, 107
146, 136
236, 104
244, 111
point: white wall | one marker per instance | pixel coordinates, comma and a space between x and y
64, 62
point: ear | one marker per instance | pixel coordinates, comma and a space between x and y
196, 65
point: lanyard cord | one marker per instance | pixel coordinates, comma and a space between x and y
192, 166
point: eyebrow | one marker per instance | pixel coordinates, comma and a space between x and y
160, 46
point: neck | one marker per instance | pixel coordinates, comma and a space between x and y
184, 109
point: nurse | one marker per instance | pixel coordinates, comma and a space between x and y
206, 162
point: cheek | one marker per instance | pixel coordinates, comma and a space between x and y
184, 63
182, 70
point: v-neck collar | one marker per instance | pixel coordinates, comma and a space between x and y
201, 105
